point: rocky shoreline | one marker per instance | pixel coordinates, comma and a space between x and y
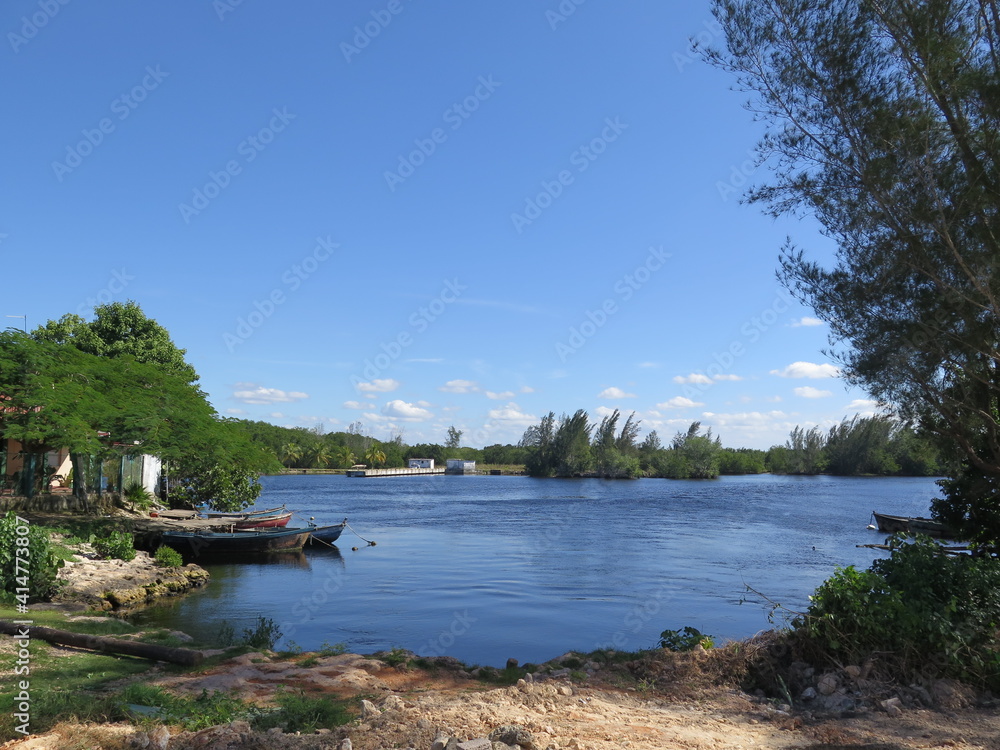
98, 584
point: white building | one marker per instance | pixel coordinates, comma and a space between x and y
421, 463
460, 466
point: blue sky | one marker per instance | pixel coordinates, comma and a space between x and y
412, 214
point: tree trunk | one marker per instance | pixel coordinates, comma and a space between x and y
184, 656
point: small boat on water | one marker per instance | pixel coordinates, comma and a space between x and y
888, 524
326, 534
241, 542
258, 519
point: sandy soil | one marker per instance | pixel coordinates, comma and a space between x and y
410, 707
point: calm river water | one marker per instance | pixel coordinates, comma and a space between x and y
486, 568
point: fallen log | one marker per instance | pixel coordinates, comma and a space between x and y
183, 656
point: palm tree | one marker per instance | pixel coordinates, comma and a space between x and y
291, 453
320, 456
343, 458
375, 455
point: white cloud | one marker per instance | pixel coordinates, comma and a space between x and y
678, 402
604, 411
613, 393
806, 322
384, 385
500, 396
425, 404
773, 399
460, 386
258, 394
399, 409
527, 389
694, 377
748, 419
276, 415
236, 411
807, 370
511, 414
731, 378
866, 407
648, 364
807, 391
358, 405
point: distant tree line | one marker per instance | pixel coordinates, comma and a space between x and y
573, 446
305, 448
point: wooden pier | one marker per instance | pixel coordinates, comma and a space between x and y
392, 472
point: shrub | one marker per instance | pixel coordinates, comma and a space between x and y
168, 557
28, 567
138, 496
263, 636
116, 545
685, 639
926, 613
299, 712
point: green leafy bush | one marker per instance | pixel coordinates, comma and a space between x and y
28, 567
299, 712
168, 557
924, 612
264, 635
116, 545
138, 496
685, 639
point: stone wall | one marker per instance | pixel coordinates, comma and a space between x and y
47, 503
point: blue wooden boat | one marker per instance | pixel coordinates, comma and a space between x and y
242, 542
326, 534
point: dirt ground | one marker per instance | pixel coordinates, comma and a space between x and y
411, 707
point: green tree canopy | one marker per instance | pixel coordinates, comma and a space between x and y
882, 120
119, 329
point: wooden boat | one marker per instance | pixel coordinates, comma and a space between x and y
326, 534
244, 542
249, 513
262, 519
888, 524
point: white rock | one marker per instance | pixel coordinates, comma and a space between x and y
368, 710
827, 684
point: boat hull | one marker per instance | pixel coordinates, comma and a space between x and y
889, 524
326, 534
247, 542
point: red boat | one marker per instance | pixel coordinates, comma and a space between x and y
264, 522
260, 519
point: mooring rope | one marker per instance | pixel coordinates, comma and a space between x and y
370, 543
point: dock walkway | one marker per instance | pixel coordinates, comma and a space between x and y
392, 472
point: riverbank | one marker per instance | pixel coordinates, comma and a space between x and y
645, 701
